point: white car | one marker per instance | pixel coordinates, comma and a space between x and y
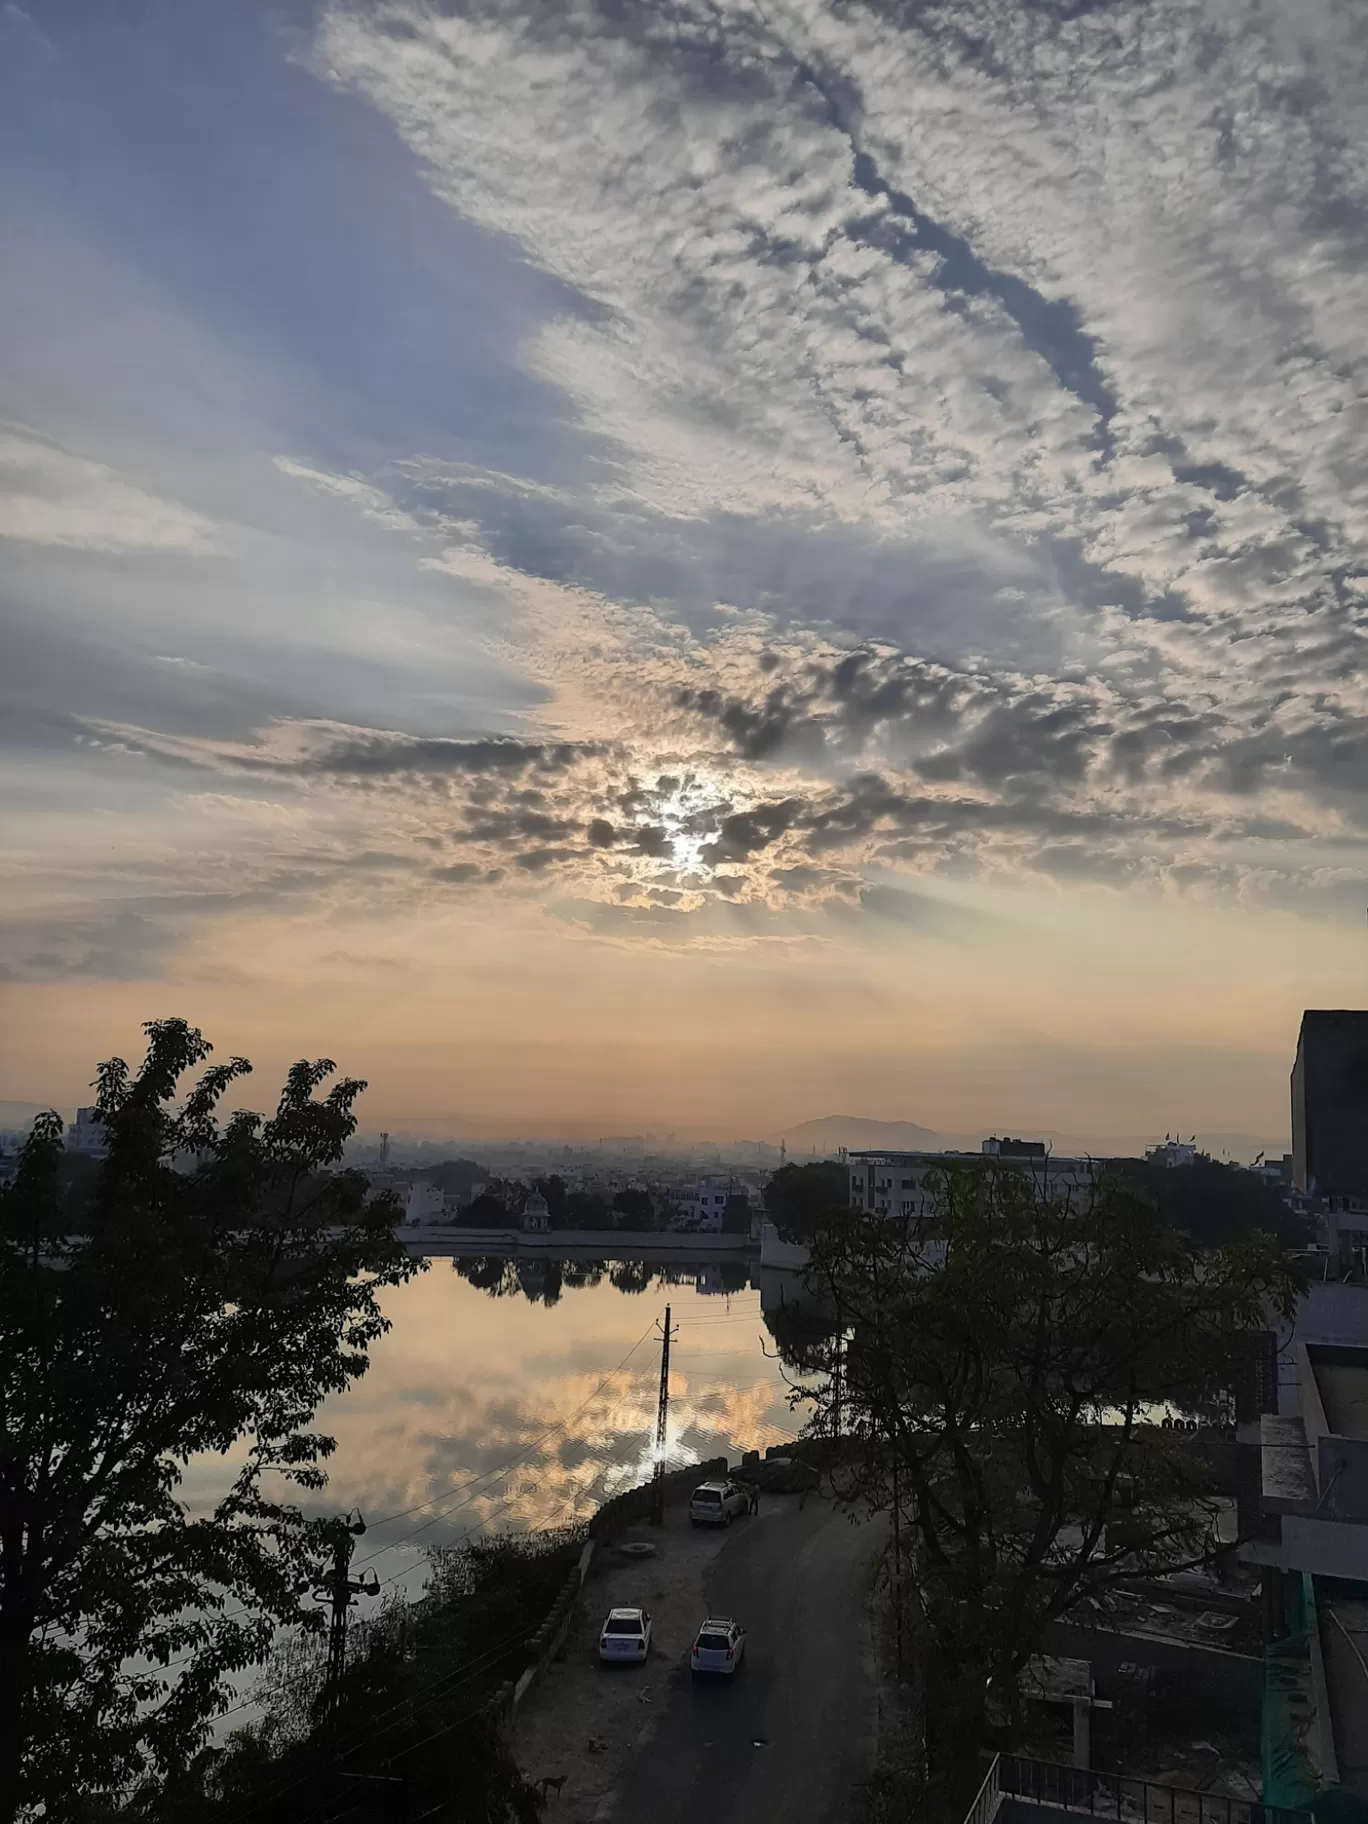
625, 1638
719, 1646
717, 1503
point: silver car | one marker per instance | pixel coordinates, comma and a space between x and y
717, 1503
719, 1646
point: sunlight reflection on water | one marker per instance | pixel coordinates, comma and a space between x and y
525, 1402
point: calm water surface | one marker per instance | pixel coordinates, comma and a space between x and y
520, 1395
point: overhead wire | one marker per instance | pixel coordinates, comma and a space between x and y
488, 1478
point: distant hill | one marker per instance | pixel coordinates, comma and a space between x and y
856, 1132
830, 1132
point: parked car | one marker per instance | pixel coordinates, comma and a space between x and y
717, 1503
719, 1646
625, 1638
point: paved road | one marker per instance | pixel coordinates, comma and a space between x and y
789, 1735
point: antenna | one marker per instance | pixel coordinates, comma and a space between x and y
384, 1149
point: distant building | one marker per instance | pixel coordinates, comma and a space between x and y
426, 1203
1173, 1153
86, 1134
900, 1185
536, 1216
1330, 1109
1015, 1149
701, 1210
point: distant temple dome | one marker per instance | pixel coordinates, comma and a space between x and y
535, 1213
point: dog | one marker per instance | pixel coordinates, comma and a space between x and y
550, 1783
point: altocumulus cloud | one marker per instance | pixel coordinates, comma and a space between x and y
970, 476
933, 278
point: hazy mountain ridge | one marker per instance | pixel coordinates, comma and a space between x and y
858, 1132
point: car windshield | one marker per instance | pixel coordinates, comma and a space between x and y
622, 1624
711, 1495
713, 1643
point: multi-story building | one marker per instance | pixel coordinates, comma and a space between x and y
700, 1210
1330, 1110
86, 1134
901, 1185
426, 1203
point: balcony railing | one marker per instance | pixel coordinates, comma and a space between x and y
1113, 1796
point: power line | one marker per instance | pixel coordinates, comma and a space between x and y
488, 1477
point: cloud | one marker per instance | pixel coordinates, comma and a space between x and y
53, 496
885, 270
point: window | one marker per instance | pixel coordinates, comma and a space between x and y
622, 1624
713, 1643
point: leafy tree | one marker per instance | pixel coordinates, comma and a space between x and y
222, 1282
799, 1198
457, 1177
1215, 1203
487, 1212
586, 1210
634, 1209
736, 1214
997, 1395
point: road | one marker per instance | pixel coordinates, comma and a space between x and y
790, 1735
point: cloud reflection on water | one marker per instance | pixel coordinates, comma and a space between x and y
497, 1408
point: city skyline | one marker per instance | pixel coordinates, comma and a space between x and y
698, 571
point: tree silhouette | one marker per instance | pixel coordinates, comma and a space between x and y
223, 1281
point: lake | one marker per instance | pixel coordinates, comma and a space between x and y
519, 1394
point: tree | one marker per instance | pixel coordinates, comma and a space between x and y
997, 1400
736, 1214
1213, 1202
587, 1210
634, 1209
799, 1198
487, 1212
457, 1177
224, 1281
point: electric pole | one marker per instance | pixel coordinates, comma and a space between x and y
339, 1590
662, 1424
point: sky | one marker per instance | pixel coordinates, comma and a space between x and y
687, 566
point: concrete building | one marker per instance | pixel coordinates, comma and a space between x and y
1173, 1153
900, 1185
700, 1210
425, 1204
1304, 1521
86, 1134
1330, 1108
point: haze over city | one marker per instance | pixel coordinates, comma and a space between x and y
691, 569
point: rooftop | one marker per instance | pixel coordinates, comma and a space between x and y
1341, 1373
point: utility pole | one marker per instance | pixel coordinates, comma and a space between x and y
662, 1424
897, 1566
338, 1590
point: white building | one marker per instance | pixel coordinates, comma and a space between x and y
426, 1203
1173, 1153
536, 1216
901, 1185
701, 1210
